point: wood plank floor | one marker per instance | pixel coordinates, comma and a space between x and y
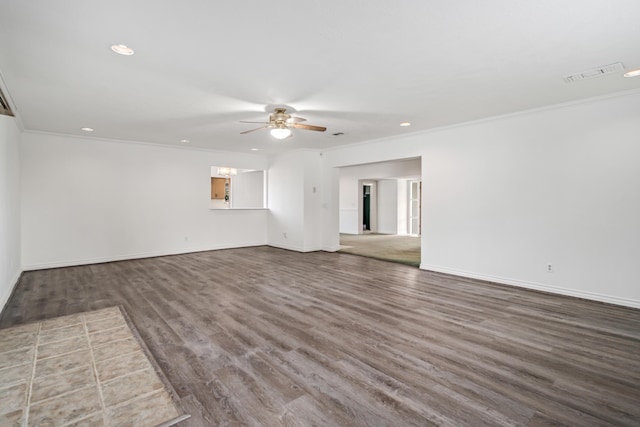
264, 336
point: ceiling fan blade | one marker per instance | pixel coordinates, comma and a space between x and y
308, 127
262, 123
253, 130
296, 120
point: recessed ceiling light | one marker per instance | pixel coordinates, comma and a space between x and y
122, 49
405, 124
255, 149
87, 129
632, 73
184, 140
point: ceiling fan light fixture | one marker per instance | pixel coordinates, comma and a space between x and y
280, 124
227, 171
281, 132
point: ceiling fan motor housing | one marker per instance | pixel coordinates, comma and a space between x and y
279, 118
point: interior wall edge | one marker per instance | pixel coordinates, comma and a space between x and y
625, 302
13, 283
100, 260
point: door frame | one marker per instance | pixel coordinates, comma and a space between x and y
373, 205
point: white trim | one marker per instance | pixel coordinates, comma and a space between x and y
238, 209
168, 145
536, 286
287, 247
526, 112
12, 285
100, 260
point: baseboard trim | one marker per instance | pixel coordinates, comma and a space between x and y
13, 284
100, 260
536, 286
287, 247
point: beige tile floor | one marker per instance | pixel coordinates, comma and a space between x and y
85, 369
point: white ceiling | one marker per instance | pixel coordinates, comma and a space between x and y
354, 66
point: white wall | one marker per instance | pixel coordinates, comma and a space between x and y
502, 198
286, 201
10, 265
387, 206
330, 221
312, 192
88, 200
350, 196
296, 205
247, 189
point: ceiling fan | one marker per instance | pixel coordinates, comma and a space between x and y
281, 123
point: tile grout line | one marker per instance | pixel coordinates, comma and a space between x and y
110, 380
75, 351
70, 326
66, 393
27, 407
95, 371
138, 398
42, 328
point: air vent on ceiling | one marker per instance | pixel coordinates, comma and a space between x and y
595, 72
4, 105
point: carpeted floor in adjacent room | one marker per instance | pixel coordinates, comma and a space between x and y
386, 247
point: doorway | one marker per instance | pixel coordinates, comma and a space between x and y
366, 207
379, 210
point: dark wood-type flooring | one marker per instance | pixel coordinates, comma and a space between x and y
264, 336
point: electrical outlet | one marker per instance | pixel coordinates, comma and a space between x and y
284, 234
549, 268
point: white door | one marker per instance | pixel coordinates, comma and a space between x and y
415, 206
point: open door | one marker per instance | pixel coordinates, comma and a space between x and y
366, 208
